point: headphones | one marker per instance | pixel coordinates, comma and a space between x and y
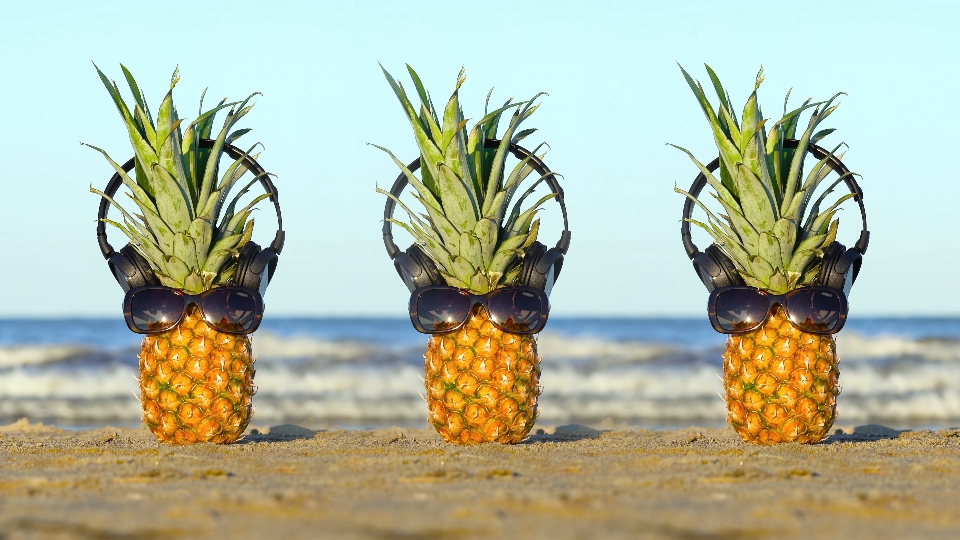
131, 269
541, 266
839, 268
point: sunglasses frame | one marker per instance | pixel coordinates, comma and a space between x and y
191, 299
774, 299
474, 300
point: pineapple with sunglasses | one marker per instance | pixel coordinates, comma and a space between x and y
192, 277
478, 278
778, 279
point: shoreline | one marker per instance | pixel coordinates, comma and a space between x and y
567, 482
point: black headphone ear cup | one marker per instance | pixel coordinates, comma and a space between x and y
272, 264
846, 268
541, 266
857, 263
131, 269
417, 269
258, 271
528, 276
828, 276
715, 269
243, 275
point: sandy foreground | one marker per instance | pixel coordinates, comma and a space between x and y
565, 482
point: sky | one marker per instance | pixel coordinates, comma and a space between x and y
616, 95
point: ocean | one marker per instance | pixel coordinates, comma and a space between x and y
359, 373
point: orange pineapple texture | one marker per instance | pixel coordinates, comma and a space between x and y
196, 383
482, 383
781, 383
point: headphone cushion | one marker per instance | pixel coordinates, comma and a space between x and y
243, 275
529, 276
420, 269
727, 273
134, 267
260, 270
545, 270
830, 274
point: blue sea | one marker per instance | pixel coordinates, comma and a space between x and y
356, 373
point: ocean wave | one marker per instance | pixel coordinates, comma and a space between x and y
35, 355
314, 380
854, 346
553, 347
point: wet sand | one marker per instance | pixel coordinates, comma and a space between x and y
567, 482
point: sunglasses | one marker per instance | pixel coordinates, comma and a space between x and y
518, 310
154, 309
816, 310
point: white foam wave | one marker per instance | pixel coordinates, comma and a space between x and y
855, 346
269, 345
558, 347
34, 355
316, 380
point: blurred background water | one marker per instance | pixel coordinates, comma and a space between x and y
366, 372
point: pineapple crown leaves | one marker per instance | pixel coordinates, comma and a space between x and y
187, 228
769, 229
465, 190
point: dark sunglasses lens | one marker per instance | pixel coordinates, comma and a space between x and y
515, 310
439, 310
230, 310
156, 310
815, 310
741, 310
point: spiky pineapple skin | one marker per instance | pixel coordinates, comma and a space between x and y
482, 383
781, 383
196, 384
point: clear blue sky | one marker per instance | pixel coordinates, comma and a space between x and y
616, 95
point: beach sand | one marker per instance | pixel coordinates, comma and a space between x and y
399, 483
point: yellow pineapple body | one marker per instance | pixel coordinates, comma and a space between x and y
482, 383
196, 383
781, 383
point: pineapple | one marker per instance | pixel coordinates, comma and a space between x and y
196, 383
781, 383
482, 383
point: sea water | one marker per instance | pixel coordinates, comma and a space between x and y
328, 372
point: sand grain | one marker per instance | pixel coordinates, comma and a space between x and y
572, 482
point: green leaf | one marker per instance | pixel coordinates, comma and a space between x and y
141, 146
172, 201
486, 232
449, 233
208, 182
451, 116
726, 195
429, 151
137, 94
463, 269
516, 207
760, 268
193, 283
177, 270
470, 249
137, 190
792, 181
729, 153
757, 202
506, 253
426, 103
458, 202
201, 232
185, 249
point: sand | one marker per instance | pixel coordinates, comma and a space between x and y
566, 482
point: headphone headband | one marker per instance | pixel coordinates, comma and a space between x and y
251, 164
818, 153
520, 153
